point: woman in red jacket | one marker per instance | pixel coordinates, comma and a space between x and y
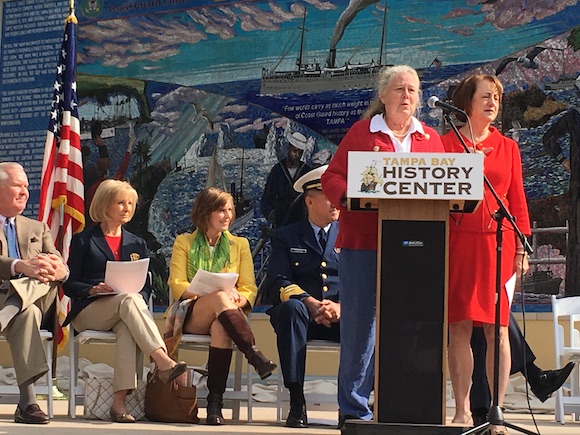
472, 244
387, 125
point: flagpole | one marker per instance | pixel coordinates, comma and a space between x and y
60, 246
72, 17
56, 323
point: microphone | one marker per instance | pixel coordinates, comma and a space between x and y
434, 102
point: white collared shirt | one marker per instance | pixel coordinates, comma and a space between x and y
378, 124
317, 229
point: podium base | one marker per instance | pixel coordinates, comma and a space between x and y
372, 428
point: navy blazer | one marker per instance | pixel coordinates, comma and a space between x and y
88, 256
297, 258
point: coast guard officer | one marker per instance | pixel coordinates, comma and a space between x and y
303, 286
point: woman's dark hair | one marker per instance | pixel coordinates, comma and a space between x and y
206, 202
464, 92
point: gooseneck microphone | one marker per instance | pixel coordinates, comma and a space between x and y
434, 102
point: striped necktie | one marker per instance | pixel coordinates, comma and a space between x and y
10, 232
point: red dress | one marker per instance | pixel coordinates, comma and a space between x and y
472, 244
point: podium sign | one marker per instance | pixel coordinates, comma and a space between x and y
413, 193
454, 177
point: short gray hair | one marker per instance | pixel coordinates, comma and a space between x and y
384, 78
5, 166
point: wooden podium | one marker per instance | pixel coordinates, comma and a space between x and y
412, 256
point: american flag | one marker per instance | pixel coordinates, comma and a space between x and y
61, 188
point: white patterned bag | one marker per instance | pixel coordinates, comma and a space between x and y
99, 399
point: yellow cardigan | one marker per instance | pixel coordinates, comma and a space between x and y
240, 262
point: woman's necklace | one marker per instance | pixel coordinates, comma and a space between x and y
401, 135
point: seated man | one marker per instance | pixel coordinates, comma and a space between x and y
542, 382
303, 286
30, 271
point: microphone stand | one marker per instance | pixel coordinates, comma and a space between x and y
495, 416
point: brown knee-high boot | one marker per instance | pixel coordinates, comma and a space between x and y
240, 332
218, 369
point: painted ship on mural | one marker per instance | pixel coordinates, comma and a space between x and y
312, 77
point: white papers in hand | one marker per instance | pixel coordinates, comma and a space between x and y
510, 288
205, 282
127, 276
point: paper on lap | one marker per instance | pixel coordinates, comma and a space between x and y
127, 276
205, 282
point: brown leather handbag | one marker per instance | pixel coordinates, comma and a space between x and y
170, 403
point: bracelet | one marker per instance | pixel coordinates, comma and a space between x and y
521, 253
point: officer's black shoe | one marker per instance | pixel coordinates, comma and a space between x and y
297, 416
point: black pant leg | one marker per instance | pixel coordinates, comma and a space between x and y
521, 353
480, 396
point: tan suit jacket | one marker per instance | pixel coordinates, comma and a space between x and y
22, 333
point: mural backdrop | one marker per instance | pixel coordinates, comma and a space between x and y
192, 93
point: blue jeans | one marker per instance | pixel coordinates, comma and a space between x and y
358, 275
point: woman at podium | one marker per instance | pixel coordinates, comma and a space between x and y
472, 241
388, 124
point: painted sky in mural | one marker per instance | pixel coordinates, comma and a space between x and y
224, 42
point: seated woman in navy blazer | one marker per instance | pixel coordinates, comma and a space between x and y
94, 307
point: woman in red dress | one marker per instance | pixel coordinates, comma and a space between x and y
472, 242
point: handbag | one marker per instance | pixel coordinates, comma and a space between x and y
170, 402
99, 399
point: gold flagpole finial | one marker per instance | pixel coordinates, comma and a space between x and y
71, 18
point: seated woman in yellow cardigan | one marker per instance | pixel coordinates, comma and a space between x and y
213, 248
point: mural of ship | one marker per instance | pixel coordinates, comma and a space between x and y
312, 77
243, 206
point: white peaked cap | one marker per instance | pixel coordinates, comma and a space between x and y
310, 180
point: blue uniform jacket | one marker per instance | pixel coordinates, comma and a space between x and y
297, 259
89, 253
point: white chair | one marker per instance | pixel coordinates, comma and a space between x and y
90, 336
567, 310
12, 392
232, 398
283, 396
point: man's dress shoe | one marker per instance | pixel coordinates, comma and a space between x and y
342, 420
478, 420
549, 381
31, 415
297, 416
